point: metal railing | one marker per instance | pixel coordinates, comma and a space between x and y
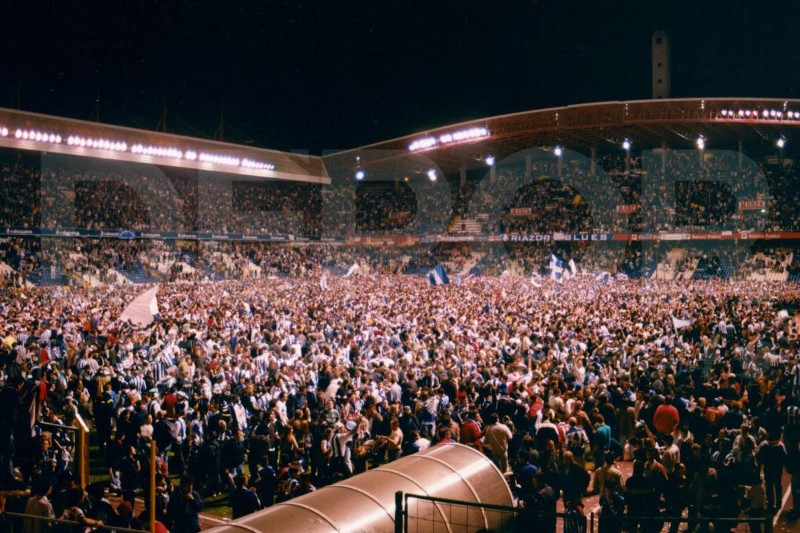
81, 439
415, 513
24, 523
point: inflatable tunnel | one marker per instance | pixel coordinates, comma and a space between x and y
366, 503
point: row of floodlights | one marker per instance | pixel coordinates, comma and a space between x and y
138, 149
448, 138
34, 135
101, 144
431, 173
763, 113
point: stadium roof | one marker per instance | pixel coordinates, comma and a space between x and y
42, 133
722, 122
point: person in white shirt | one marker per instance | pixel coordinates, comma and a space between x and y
39, 505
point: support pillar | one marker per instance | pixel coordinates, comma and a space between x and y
741, 154
528, 165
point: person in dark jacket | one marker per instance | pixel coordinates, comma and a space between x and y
573, 479
183, 510
771, 455
233, 456
542, 504
243, 500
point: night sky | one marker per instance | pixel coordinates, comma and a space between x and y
325, 75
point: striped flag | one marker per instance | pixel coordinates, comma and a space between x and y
438, 276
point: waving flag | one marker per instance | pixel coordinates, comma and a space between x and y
603, 277
556, 268
677, 323
352, 270
142, 309
573, 268
438, 276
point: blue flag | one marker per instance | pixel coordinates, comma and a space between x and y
438, 276
603, 277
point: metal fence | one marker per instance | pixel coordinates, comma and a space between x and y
80, 436
416, 513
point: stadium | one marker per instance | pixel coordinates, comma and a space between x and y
577, 319
690, 193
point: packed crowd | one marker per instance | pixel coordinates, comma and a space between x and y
284, 386
678, 192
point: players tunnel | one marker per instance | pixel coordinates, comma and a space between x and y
367, 502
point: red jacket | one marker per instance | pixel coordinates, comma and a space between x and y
471, 434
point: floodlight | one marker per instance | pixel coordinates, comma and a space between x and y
781, 142
701, 143
626, 144
360, 174
432, 174
489, 160
558, 151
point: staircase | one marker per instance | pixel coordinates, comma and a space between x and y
139, 274
115, 278
465, 226
769, 273
667, 269
471, 262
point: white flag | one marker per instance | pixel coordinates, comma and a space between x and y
142, 309
352, 270
677, 323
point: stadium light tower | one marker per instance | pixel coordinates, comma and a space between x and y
661, 65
